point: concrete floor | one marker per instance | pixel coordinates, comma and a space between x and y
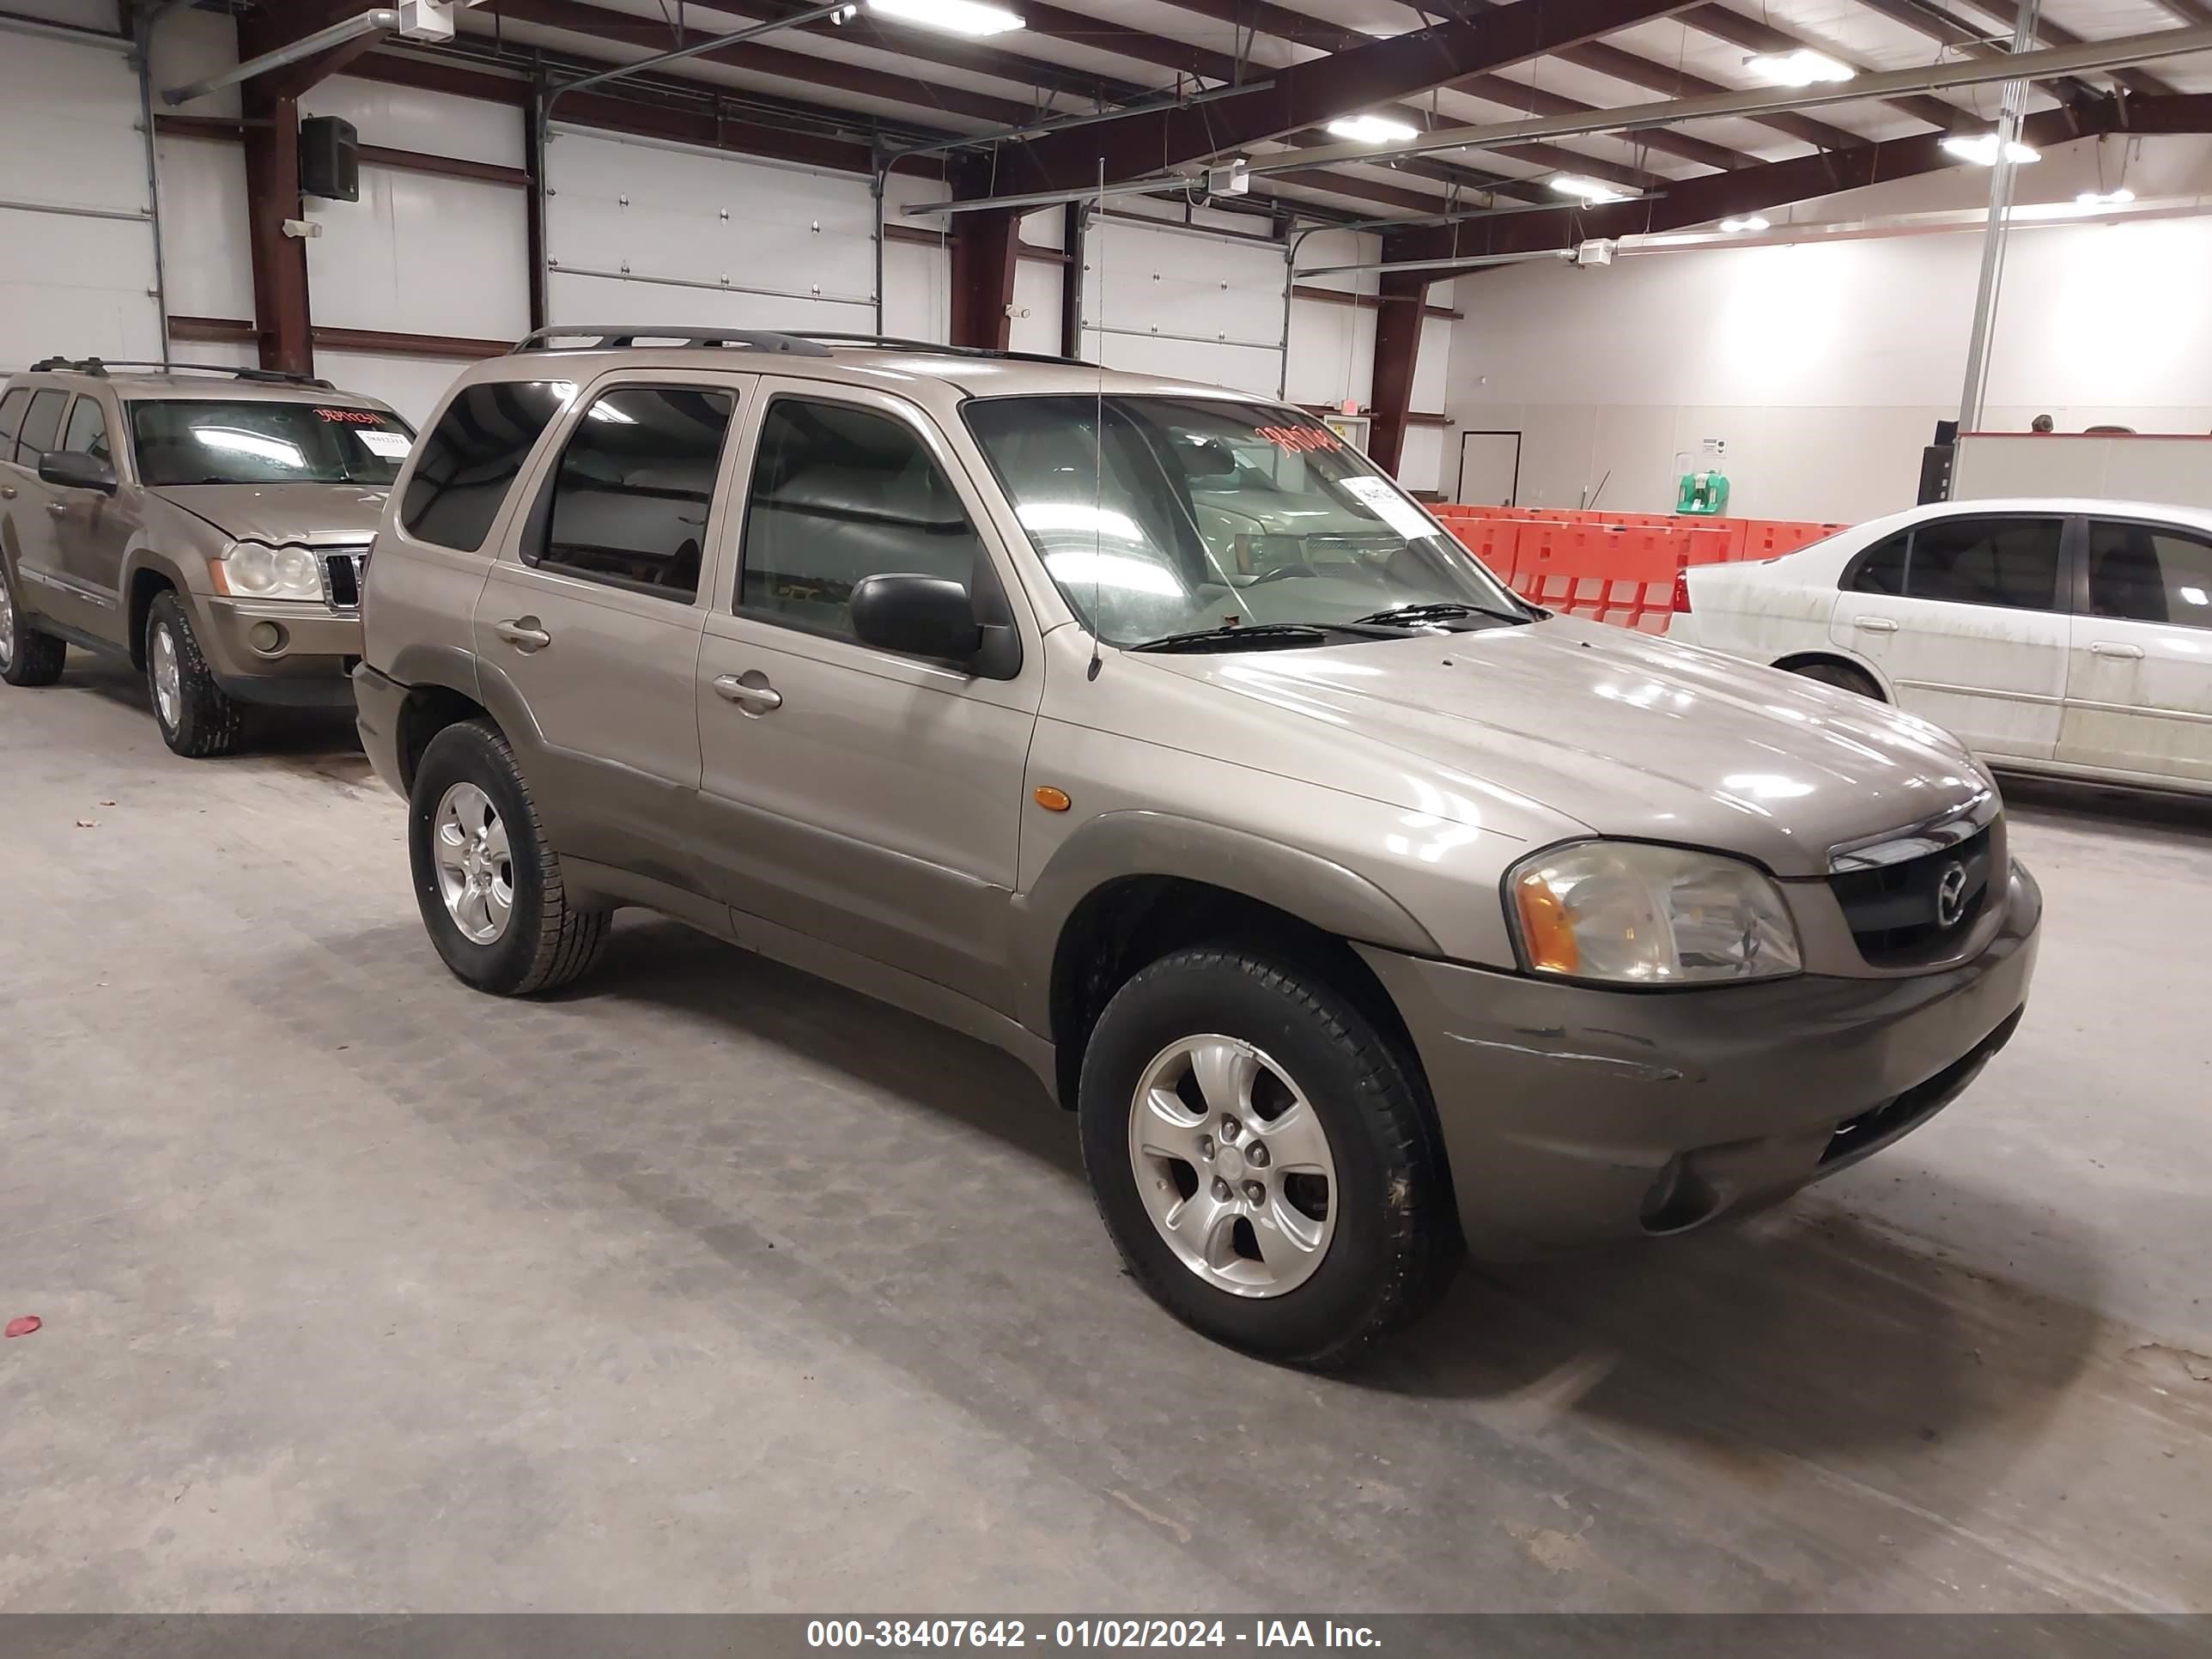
713, 1287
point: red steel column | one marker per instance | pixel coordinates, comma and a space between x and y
1397, 349
985, 246
280, 262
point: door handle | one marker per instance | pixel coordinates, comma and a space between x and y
761, 698
2113, 649
7, 492
57, 509
1875, 624
523, 633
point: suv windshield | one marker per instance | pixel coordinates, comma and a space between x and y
1194, 515
198, 441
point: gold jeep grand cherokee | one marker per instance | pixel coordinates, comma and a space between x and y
211, 527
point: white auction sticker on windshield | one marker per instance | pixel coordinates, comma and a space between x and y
385, 445
1393, 509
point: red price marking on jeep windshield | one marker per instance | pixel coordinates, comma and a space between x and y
352, 417
1298, 439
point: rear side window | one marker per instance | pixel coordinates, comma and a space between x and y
2013, 562
840, 493
11, 420
471, 459
2150, 573
1880, 568
41, 426
634, 489
87, 429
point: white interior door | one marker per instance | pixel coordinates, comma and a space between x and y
1489, 468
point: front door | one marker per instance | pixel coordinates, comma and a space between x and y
853, 795
594, 622
2139, 682
92, 529
1968, 619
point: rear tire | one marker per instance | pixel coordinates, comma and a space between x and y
1840, 675
1302, 1274
488, 885
26, 656
198, 719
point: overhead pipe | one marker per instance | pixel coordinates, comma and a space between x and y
1063, 123
739, 37
384, 20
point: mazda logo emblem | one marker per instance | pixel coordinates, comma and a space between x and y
1951, 896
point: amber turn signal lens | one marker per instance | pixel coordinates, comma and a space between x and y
1547, 935
1052, 799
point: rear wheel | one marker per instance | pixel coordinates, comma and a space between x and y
1259, 1152
26, 656
198, 719
1840, 674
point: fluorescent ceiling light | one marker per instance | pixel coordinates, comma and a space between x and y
1751, 222
2119, 197
1591, 190
953, 16
1800, 68
1981, 148
1371, 129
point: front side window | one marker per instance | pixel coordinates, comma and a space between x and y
87, 432
2150, 573
632, 494
182, 442
42, 426
840, 493
472, 456
1161, 517
12, 408
2013, 562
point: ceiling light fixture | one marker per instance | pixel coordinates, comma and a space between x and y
1981, 149
1753, 222
2119, 197
1371, 129
1589, 190
953, 16
1800, 68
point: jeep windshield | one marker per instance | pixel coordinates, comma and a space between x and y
201, 441
1183, 523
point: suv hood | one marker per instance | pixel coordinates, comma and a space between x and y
311, 514
1625, 734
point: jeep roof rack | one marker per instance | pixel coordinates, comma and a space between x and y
590, 337
100, 366
898, 343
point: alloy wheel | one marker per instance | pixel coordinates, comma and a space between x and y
168, 676
7, 622
476, 868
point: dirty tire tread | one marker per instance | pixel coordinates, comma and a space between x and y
1416, 1242
38, 657
208, 722
569, 938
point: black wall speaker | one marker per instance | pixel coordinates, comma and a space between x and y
330, 159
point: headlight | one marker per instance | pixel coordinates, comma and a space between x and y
253, 571
1631, 914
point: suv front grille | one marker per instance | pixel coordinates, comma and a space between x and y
341, 574
1916, 911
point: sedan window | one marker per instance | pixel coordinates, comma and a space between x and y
2150, 573
1880, 568
2013, 562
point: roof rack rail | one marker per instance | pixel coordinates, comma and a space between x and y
100, 366
900, 343
590, 337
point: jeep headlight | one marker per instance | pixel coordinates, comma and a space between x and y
1628, 913
254, 571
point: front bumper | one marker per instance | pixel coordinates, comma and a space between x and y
305, 666
1574, 1116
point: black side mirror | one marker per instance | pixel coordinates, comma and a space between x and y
920, 615
72, 469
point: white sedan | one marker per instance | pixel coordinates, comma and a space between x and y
2068, 637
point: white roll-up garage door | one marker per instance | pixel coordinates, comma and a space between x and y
76, 229
1178, 300
642, 231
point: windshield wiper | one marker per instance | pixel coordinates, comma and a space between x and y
1231, 633
1441, 612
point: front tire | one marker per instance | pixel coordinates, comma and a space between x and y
26, 656
488, 885
1260, 1153
198, 719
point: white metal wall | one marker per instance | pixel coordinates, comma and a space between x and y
76, 236
637, 231
1192, 304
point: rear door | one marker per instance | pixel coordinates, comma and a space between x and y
2139, 677
1967, 616
593, 617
